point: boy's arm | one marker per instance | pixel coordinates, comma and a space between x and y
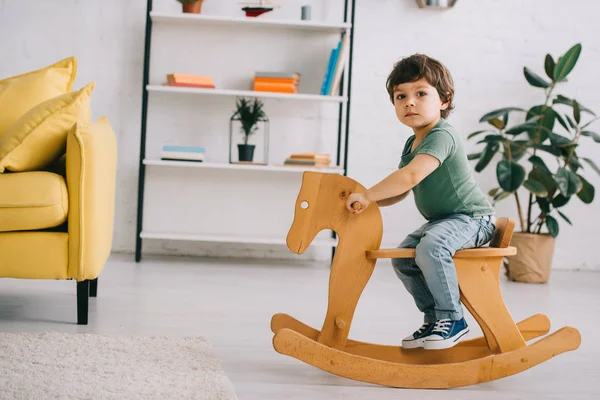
393, 200
403, 180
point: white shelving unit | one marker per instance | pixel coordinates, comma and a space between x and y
251, 22
258, 168
245, 93
226, 197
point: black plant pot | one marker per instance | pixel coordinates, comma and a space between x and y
245, 152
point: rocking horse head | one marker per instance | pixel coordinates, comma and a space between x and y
321, 204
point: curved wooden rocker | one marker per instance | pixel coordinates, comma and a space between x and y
502, 351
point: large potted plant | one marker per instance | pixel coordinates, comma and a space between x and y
191, 6
249, 113
539, 154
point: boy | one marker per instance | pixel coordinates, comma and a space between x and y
435, 167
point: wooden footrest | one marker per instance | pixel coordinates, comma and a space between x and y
469, 253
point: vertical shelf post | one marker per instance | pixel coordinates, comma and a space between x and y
141, 166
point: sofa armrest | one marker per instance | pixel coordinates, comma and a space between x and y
91, 178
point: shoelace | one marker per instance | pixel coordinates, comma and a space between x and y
442, 326
422, 328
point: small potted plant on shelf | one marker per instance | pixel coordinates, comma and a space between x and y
249, 113
191, 6
539, 154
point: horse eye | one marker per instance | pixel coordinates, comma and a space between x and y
304, 205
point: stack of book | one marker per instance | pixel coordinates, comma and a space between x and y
187, 80
337, 61
309, 160
182, 153
280, 82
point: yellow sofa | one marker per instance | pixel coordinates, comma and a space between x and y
57, 186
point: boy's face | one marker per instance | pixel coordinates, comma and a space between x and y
418, 104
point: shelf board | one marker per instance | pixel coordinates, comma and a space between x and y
264, 168
229, 238
245, 93
246, 21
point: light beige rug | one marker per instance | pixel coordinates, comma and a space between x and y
88, 366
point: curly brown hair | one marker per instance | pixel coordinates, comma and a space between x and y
419, 66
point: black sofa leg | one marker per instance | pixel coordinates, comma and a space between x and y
94, 287
83, 291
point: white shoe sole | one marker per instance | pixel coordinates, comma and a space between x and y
413, 344
446, 343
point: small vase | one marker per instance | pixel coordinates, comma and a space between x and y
192, 8
245, 152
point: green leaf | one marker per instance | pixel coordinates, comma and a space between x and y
525, 127
474, 156
552, 225
544, 204
476, 133
499, 112
488, 154
545, 178
502, 195
510, 175
492, 139
539, 163
589, 122
558, 118
571, 123
592, 164
518, 148
549, 66
534, 79
591, 134
559, 201
496, 123
576, 111
568, 182
534, 111
493, 191
586, 194
546, 148
560, 99
560, 141
566, 63
536, 188
564, 217
505, 118
574, 163
548, 117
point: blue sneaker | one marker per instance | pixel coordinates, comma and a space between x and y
445, 334
418, 338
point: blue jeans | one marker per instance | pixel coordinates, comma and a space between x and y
430, 277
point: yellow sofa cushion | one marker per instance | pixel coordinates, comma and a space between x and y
40, 136
20, 93
32, 200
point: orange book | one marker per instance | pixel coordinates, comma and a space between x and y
274, 87
277, 80
194, 85
186, 78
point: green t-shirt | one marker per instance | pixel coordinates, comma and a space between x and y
451, 188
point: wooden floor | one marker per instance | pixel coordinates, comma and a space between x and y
231, 303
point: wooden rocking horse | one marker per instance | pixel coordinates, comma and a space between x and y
502, 351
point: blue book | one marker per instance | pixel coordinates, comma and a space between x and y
186, 149
326, 76
331, 71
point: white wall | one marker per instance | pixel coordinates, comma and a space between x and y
484, 43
